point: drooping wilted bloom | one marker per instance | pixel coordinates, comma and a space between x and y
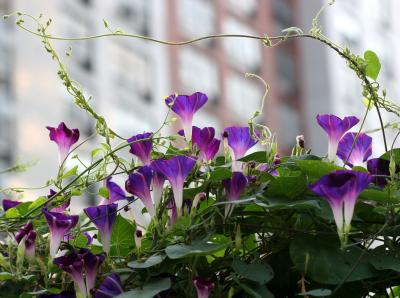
23, 231
64, 137
239, 141
8, 204
110, 287
359, 153
175, 169
203, 287
185, 106
234, 187
115, 193
142, 149
103, 216
198, 199
138, 184
341, 189
30, 241
91, 264
379, 168
59, 225
335, 128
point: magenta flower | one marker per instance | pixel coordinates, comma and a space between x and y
175, 171
115, 193
341, 189
335, 128
30, 241
59, 225
23, 231
91, 264
64, 137
110, 287
203, 287
185, 106
234, 187
8, 204
362, 149
73, 265
379, 168
103, 216
142, 149
138, 184
239, 140
205, 142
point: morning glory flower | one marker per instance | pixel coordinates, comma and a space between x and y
141, 219
138, 184
185, 106
142, 149
379, 168
59, 225
91, 264
341, 189
30, 241
234, 187
23, 231
239, 141
175, 170
61, 208
203, 287
335, 128
172, 213
64, 137
8, 204
362, 149
103, 216
115, 193
110, 287
158, 187
205, 142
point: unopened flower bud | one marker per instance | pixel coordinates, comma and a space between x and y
277, 159
300, 141
197, 199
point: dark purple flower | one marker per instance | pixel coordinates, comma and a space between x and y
115, 193
103, 216
185, 106
335, 128
8, 204
239, 140
138, 184
142, 149
379, 168
234, 187
110, 287
64, 137
91, 264
138, 238
362, 149
203, 287
341, 189
175, 170
30, 245
59, 224
73, 264
172, 212
205, 142
23, 231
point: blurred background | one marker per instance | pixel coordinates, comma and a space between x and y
128, 78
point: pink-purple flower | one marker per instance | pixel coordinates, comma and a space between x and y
8, 204
203, 286
358, 154
205, 142
234, 187
64, 138
115, 193
30, 242
335, 128
110, 287
141, 147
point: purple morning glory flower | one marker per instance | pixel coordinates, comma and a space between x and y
172, 212
91, 264
205, 142
335, 128
59, 224
110, 287
185, 106
175, 170
30, 241
24, 231
361, 152
158, 186
380, 168
234, 187
239, 140
203, 287
341, 189
115, 193
138, 184
103, 216
8, 204
142, 149
64, 137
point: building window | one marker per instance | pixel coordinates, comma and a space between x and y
196, 17
247, 8
135, 13
286, 73
282, 13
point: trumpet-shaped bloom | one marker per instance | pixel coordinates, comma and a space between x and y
91, 264
142, 149
203, 287
335, 128
234, 187
185, 106
30, 241
158, 186
59, 224
175, 170
115, 193
359, 153
138, 184
141, 219
205, 142
341, 189
103, 216
8, 204
110, 287
379, 168
64, 138
74, 266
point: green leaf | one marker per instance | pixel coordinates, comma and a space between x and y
149, 262
287, 186
317, 293
96, 151
122, 237
149, 290
284, 203
18, 211
5, 276
315, 169
254, 289
383, 261
71, 172
259, 156
38, 202
395, 153
373, 65
103, 191
258, 272
375, 195
200, 248
220, 174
